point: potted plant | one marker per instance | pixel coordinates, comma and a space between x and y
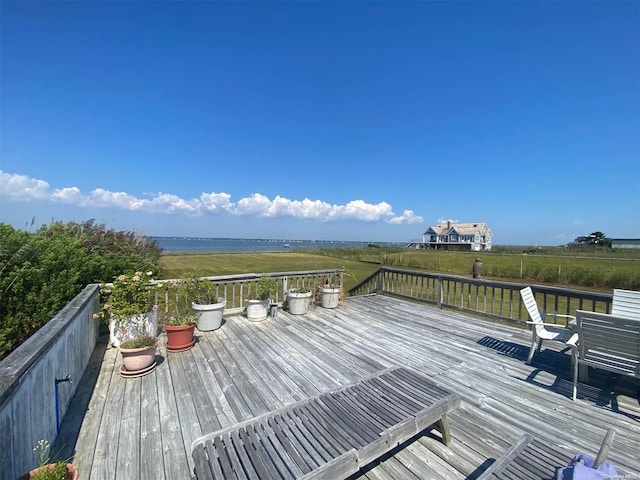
258, 307
179, 330
128, 307
133, 322
49, 469
208, 307
138, 354
329, 294
298, 300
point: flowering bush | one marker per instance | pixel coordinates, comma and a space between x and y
127, 306
131, 294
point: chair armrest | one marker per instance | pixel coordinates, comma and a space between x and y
560, 315
568, 318
557, 325
573, 341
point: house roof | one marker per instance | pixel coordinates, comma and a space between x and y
460, 228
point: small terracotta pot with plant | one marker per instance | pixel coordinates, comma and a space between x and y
180, 330
49, 469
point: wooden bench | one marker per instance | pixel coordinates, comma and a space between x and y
330, 435
606, 342
531, 459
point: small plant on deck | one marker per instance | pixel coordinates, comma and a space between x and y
266, 287
49, 469
198, 290
144, 341
177, 320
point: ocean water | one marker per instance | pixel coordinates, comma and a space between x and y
192, 244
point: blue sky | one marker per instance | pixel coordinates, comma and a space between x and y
323, 120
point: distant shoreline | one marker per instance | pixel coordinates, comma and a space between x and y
203, 244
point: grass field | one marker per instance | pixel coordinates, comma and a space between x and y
205, 264
598, 270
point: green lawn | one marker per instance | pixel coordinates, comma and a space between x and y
590, 270
206, 264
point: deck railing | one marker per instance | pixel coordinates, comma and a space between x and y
39, 379
496, 300
239, 288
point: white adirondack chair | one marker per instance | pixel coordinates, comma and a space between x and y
626, 303
540, 330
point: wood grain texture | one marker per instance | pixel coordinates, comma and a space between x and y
288, 358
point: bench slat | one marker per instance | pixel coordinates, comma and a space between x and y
267, 439
318, 432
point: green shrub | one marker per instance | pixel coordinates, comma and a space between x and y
41, 272
139, 342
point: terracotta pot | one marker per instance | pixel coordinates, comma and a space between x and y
136, 359
72, 471
179, 337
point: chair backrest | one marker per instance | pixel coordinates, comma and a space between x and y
626, 303
609, 342
532, 306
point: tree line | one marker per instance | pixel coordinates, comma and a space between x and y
42, 271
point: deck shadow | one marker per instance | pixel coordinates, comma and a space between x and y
604, 390
429, 432
508, 349
65, 443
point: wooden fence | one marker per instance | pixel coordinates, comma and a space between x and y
496, 300
237, 289
39, 379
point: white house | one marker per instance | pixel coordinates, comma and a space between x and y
476, 237
625, 243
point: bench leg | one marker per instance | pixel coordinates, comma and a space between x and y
445, 430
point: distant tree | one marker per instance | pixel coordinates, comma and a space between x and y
596, 238
601, 239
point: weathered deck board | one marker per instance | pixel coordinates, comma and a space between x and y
174, 455
151, 435
245, 369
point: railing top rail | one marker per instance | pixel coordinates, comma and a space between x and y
544, 289
256, 276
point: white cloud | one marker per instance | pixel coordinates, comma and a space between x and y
23, 188
215, 202
408, 216
257, 204
168, 203
105, 198
68, 195
363, 211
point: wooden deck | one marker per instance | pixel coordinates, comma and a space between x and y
143, 427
